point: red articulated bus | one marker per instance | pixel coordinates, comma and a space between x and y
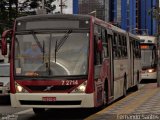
83, 62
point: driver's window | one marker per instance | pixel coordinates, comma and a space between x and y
97, 54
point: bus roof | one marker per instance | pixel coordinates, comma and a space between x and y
53, 16
109, 25
72, 17
134, 36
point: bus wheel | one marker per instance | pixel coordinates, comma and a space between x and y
38, 110
125, 86
105, 93
104, 100
138, 77
138, 82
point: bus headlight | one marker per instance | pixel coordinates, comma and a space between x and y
81, 88
151, 70
20, 89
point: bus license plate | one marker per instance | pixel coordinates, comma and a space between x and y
49, 99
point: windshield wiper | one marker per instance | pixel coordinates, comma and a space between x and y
37, 41
59, 43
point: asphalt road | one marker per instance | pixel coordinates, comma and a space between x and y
9, 113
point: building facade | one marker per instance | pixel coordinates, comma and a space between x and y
135, 16
93, 7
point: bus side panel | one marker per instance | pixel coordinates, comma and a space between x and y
120, 69
137, 70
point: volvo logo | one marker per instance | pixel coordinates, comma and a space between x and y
48, 88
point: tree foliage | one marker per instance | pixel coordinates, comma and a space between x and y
10, 9
34, 4
7, 13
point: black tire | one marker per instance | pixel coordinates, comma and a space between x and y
104, 100
125, 86
105, 92
124, 91
138, 82
38, 110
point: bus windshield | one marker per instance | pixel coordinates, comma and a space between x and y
148, 55
51, 53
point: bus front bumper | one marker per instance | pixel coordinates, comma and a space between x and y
149, 75
54, 100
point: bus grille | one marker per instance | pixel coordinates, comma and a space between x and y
46, 88
24, 102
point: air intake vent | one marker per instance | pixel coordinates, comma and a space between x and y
24, 102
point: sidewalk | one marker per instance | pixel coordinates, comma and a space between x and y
143, 104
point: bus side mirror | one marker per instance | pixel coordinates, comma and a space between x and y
4, 41
99, 46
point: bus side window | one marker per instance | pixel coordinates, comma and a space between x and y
115, 50
124, 46
105, 52
99, 34
136, 48
119, 50
139, 50
97, 54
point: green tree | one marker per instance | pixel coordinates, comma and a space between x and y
8, 12
33, 4
11, 9
3, 15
